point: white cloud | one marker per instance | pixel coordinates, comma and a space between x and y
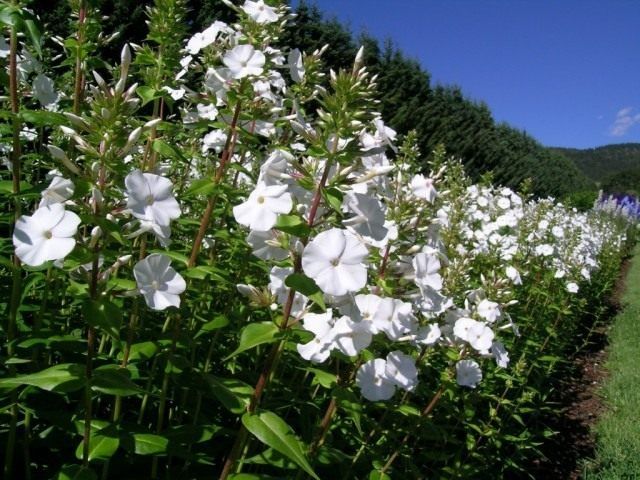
625, 119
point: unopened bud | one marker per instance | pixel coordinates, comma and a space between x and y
125, 59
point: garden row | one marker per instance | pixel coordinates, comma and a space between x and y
227, 269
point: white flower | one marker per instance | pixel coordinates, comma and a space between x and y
572, 287
401, 370
150, 198
500, 354
296, 68
45, 235
480, 336
160, 284
351, 337
468, 373
266, 246
260, 211
375, 311
368, 220
423, 188
373, 380
428, 335
44, 90
513, 275
59, 191
244, 60
489, 311
175, 93
426, 269
321, 325
544, 250
259, 12
335, 259
203, 39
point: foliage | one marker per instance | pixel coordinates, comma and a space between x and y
218, 270
602, 162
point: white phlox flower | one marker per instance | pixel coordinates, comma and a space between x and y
373, 381
59, 191
266, 245
45, 235
259, 12
277, 277
428, 335
477, 334
572, 287
468, 373
368, 219
335, 259
44, 90
401, 370
423, 188
158, 282
205, 38
401, 323
351, 337
150, 198
275, 169
513, 275
426, 269
500, 354
374, 310
260, 211
321, 325
378, 378
296, 67
488, 310
244, 60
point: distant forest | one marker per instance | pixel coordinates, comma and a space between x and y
615, 168
441, 114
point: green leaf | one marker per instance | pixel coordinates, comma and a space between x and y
6, 187
293, 225
232, 393
147, 94
142, 351
306, 286
114, 380
104, 315
166, 150
76, 472
100, 447
351, 404
30, 22
173, 255
274, 432
42, 118
10, 15
64, 378
150, 444
255, 334
320, 377
333, 197
202, 186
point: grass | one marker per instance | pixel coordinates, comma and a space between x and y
618, 431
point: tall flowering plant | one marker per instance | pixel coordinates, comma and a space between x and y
236, 268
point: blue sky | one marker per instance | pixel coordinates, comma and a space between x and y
566, 71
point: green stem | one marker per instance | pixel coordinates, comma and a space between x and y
78, 90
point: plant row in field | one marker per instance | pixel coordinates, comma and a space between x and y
228, 269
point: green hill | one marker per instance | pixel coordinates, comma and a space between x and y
603, 162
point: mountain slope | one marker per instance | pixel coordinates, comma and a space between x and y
602, 162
